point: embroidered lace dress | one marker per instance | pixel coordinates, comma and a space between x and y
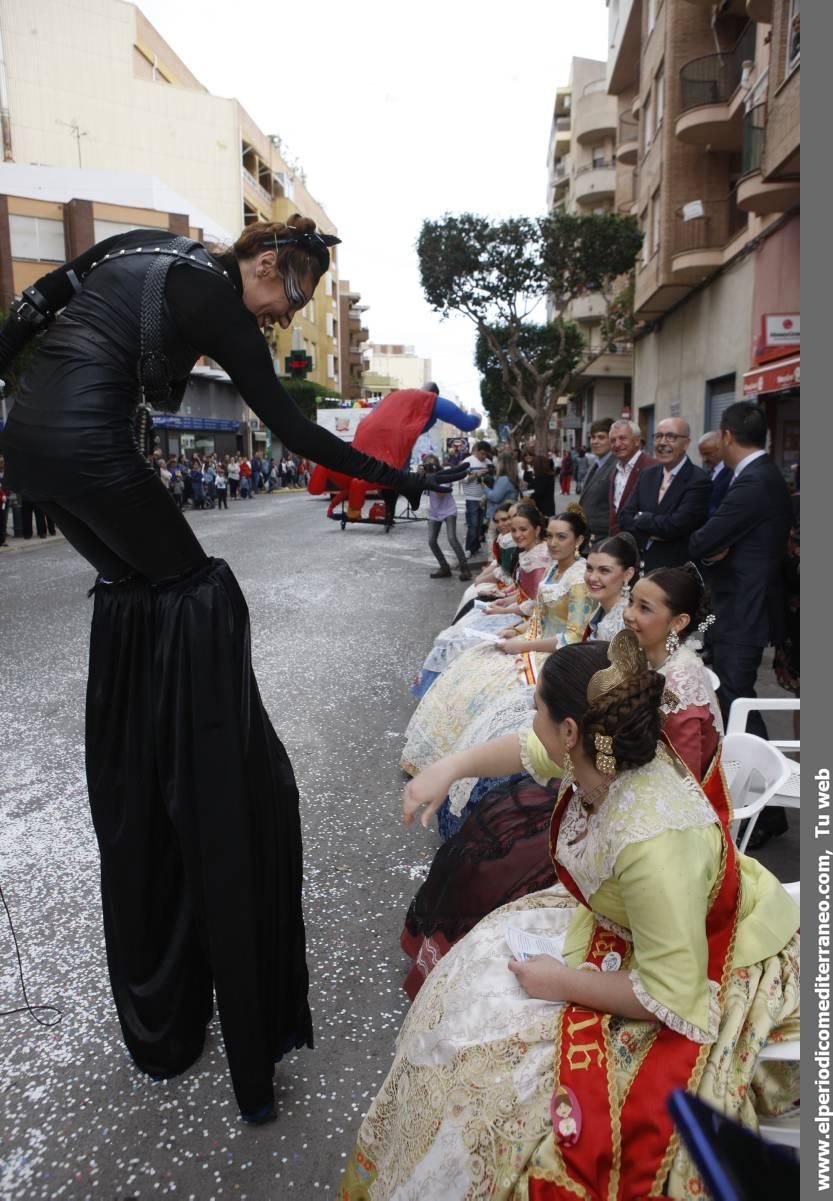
466, 1104
484, 675
450, 643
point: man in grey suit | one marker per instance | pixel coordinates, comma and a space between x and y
594, 492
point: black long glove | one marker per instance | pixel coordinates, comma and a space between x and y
435, 481
14, 334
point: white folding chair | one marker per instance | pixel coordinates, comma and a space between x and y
743, 706
714, 678
784, 1129
756, 773
790, 796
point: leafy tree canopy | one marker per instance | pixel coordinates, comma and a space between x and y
542, 345
499, 274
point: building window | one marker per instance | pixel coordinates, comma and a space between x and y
644, 251
328, 284
599, 158
331, 366
656, 221
648, 120
794, 36
109, 229
720, 393
38, 238
330, 326
659, 99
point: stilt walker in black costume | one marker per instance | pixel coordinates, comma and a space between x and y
200, 879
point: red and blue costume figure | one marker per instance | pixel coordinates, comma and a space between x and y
389, 434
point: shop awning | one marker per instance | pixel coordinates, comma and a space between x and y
774, 377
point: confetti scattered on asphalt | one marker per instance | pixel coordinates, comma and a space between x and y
340, 622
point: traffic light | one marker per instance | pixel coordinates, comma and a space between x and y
298, 364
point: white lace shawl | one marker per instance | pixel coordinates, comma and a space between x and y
535, 558
611, 623
553, 587
640, 804
686, 676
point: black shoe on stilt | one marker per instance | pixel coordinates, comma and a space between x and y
260, 1117
442, 573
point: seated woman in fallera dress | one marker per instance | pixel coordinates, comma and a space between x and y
672, 961
528, 528
499, 851
488, 672
497, 579
610, 571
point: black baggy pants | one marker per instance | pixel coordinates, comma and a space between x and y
201, 866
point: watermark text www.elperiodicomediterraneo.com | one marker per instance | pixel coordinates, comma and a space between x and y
821, 985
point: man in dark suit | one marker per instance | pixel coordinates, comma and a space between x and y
669, 502
594, 493
626, 444
743, 547
710, 447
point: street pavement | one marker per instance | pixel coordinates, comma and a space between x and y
341, 621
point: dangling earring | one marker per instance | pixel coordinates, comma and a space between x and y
672, 642
626, 593
567, 765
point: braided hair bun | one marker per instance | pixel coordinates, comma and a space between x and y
630, 715
574, 517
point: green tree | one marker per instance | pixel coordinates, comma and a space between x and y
500, 273
542, 345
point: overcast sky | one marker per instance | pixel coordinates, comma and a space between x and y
398, 112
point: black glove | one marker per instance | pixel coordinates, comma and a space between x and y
14, 334
434, 481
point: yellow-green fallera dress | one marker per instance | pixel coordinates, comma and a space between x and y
484, 676
464, 1113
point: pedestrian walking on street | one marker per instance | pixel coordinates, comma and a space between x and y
201, 880
442, 510
221, 487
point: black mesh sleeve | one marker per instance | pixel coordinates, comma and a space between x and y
209, 314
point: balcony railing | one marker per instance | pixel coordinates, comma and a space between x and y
628, 196
754, 139
599, 165
597, 85
714, 78
256, 187
707, 225
628, 129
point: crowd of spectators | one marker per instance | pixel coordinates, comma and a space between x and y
211, 481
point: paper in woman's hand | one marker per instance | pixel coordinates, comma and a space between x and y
523, 945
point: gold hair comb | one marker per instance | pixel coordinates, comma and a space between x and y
626, 658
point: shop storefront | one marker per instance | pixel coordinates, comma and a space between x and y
774, 377
178, 433
777, 386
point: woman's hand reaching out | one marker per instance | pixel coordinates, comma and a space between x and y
427, 791
513, 646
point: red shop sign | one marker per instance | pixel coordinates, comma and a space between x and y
776, 377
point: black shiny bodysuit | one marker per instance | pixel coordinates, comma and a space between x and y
201, 866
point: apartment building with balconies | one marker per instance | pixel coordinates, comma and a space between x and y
584, 177
95, 86
354, 338
708, 102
